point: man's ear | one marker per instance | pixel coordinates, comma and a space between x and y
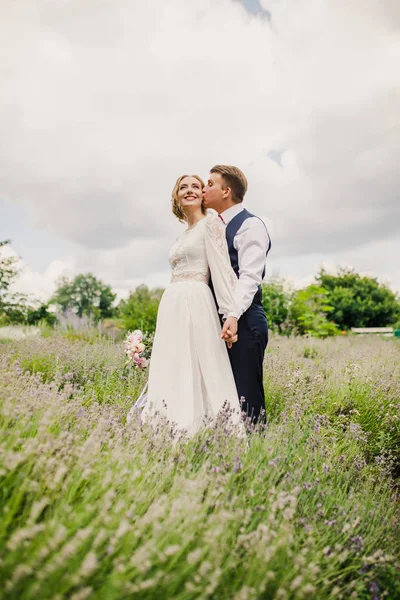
226, 192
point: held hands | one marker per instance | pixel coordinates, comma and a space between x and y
229, 331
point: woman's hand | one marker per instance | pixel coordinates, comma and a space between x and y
229, 331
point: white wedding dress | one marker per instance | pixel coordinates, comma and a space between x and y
190, 377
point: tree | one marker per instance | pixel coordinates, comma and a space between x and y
8, 273
276, 301
139, 310
359, 301
13, 306
309, 309
41, 314
85, 295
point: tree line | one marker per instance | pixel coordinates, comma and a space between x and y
330, 306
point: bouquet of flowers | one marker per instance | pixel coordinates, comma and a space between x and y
135, 349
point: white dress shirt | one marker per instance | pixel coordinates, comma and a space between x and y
251, 243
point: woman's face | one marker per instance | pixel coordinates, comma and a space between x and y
190, 193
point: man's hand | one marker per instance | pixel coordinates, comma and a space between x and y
231, 340
229, 331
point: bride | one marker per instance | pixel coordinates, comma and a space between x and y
190, 377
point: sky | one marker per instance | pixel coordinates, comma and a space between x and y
105, 103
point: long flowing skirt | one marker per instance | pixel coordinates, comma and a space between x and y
190, 378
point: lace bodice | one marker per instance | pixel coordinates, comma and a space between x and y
202, 252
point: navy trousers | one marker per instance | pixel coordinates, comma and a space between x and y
247, 360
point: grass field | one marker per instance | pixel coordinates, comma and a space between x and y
94, 508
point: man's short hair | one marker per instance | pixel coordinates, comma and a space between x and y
233, 178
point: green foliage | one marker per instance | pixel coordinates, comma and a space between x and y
85, 295
309, 308
113, 329
139, 310
359, 301
335, 303
97, 366
16, 309
41, 315
297, 312
13, 307
8, 273
95, 508
276, 303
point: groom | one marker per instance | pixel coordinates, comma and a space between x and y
248, 244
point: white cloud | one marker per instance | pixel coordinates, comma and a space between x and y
40, 285
103, 107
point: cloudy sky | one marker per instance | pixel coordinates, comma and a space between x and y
104, 103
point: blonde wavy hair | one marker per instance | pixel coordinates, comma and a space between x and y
176, 207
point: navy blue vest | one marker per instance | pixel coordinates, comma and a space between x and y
255, 315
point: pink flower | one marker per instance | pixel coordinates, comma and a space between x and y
136, 337
134, 347
140, 361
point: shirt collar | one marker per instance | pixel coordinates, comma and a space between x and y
231, 212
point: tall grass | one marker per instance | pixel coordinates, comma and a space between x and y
93, 507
